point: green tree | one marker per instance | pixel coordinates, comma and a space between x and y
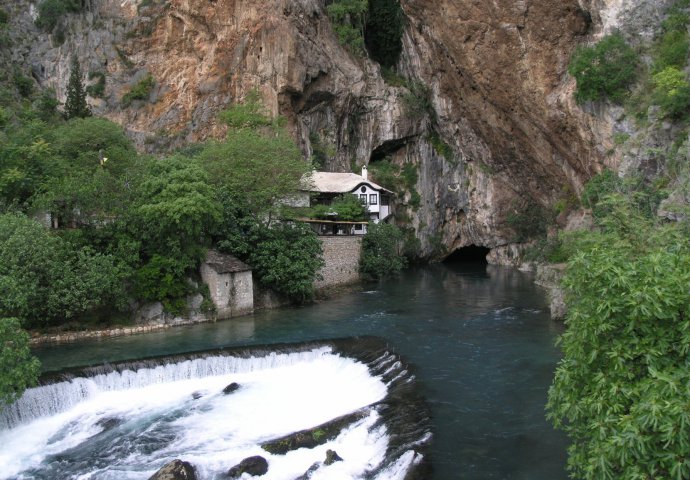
381, 255
175, 210
19, 369
258, 163
604, 70
46, 280
76, 106
621, 390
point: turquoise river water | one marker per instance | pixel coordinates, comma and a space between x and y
479, 337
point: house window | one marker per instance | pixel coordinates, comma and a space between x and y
363, 189
358, 228
384, 200
363, 198
373, 199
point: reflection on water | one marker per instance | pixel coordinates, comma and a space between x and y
479, 337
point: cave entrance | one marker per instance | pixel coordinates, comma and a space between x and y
469, 254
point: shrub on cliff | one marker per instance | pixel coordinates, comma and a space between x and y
604, 70
621, 390
51, 11
384, 29
672, 91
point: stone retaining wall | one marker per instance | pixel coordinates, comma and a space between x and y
341, 256
113, 332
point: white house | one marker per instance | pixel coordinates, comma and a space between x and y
324, 187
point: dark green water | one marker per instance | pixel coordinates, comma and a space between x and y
480, 338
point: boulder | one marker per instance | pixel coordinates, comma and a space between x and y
309, 473
231, 388
332, 457
254, 466
175, 470
314, 436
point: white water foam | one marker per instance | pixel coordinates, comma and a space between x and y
155, 419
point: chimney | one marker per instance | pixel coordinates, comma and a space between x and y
364, 173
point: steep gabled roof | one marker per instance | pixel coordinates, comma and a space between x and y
329, 182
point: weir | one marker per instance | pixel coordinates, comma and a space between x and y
176, 403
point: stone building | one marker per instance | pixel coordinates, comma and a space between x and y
230, 284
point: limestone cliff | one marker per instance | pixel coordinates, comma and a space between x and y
496, 72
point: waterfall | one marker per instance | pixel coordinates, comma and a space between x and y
124, 421
57, 397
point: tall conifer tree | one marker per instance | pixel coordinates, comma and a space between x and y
76, 105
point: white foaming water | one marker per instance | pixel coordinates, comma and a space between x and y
125, 426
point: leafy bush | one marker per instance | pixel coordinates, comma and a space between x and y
604, 70
51, 11
141, 91
381, 256
97, 89
621, 390
599, 186
248, 114
384, 29
672, 91
672, 50
4, 16
19, 370
163, 279
24, 85
285, 258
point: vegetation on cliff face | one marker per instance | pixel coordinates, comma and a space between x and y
621, 390
604, 70
369, 26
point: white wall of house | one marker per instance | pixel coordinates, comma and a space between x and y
372, 199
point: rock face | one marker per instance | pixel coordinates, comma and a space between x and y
549, 277
496, 71
175, 470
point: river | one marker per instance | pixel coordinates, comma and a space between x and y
479, 337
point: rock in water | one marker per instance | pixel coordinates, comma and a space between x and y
309, 473
332, 457
254, 466
175, 470
231, 388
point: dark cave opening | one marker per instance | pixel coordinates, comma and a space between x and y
469, 254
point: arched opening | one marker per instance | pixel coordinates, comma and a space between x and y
469, 254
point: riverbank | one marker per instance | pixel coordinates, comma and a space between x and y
40, 338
